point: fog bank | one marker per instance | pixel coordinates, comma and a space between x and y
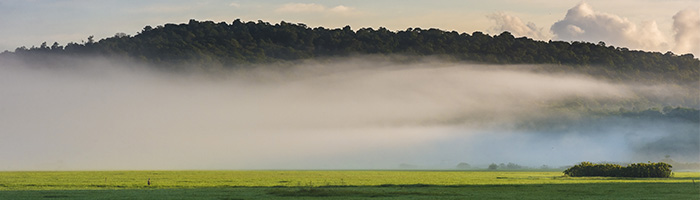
356, 113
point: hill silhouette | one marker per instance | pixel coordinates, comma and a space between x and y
206, 44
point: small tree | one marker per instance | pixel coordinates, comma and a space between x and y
513, 166
463, 165
493, 166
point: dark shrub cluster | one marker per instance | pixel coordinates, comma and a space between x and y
655, 170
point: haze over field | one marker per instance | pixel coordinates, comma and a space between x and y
346, 113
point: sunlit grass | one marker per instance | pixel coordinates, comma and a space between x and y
339, 185
90, 180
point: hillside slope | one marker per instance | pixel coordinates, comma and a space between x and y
206, 44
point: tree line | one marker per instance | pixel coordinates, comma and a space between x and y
643, 170
209, 44
509, 166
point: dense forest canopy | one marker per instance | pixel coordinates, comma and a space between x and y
206, 44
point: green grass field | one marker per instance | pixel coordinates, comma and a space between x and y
339, 185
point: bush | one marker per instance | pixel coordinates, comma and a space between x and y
493, 166
655, 170
463, 166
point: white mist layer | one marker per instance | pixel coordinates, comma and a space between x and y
349, 114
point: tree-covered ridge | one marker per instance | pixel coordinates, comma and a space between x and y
207, 44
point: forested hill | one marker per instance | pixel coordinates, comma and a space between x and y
222, 44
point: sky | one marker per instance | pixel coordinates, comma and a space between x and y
654, 25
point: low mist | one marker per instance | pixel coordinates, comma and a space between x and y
355, 113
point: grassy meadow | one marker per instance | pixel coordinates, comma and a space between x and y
339, 185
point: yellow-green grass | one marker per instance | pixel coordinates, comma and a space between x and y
339, 185
88, 180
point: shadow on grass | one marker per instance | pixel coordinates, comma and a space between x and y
412, 191
525, 191
343, 192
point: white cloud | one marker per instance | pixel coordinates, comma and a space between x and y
515, 26
574, 30
341, 9
164, 9
235, 5
686, 24
582, 23
301, 7
312, 8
